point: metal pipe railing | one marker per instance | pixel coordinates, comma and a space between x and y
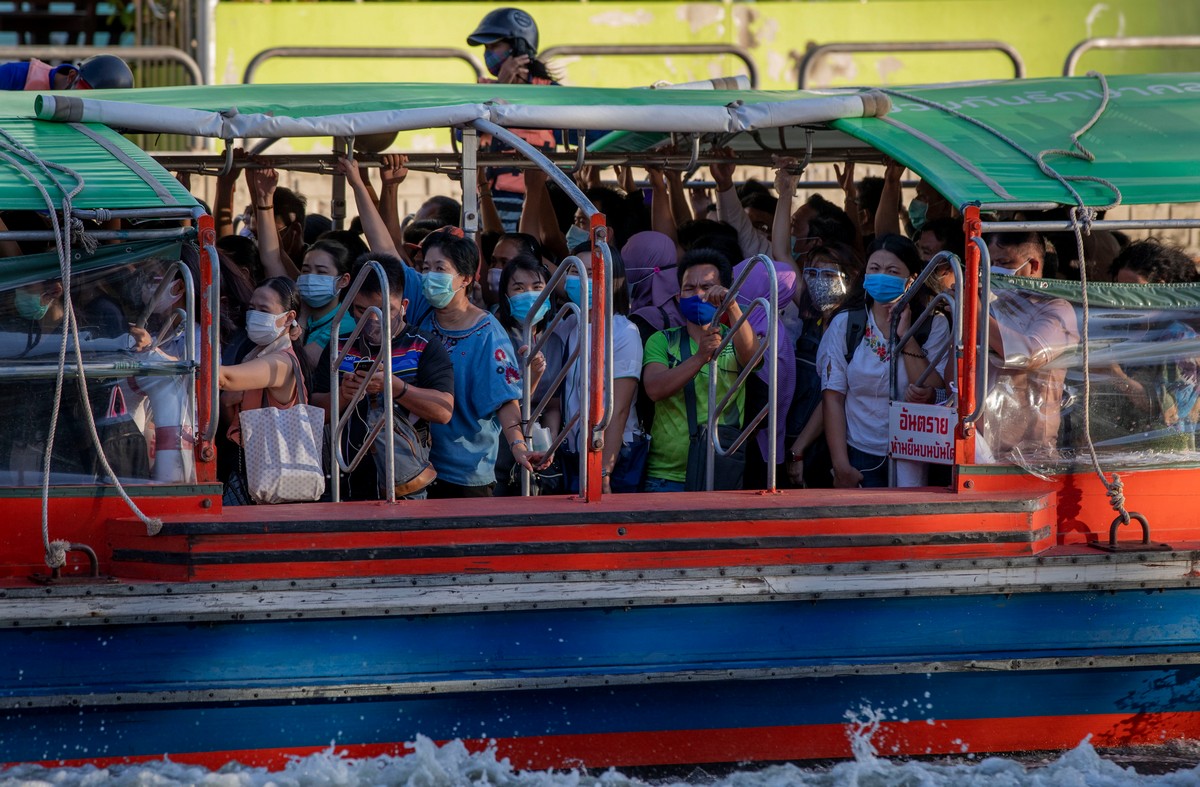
212, 318
1133, 42
529, 412
767, 343
930, 311
362, 52
642, 50
983, 329
337, 423
816, 53
609, 393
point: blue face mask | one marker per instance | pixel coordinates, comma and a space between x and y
493, 61
696, 309
439, 289
576, 236
884, 287
574, 290
316, 290
917, 213
520, 304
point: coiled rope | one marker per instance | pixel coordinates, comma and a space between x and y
1081, 223
17, 155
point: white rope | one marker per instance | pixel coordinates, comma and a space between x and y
1081, 222
13, 152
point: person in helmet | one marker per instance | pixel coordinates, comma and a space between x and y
99, 72
509, 37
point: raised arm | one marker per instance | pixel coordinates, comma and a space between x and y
392, 172
887, 215
661, 218
489, 215
680, 209
226, 188
262, 183
378, 238
730, 211
537, 215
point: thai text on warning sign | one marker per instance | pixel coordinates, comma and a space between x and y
922, 432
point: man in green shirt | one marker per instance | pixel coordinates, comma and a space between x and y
678, 357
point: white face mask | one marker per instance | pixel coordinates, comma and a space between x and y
999, 271
262, 327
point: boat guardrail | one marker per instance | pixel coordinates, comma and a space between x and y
953, 350
767, 346
1133, 42
337, 420
529, 413
609, 394
816, 53
982, 337
362, 52
640, 50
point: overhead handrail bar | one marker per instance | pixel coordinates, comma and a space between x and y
815, 53
529, 413
618, 50
767, 343
134, 53
983, 338
1133, 42
338, 421
363, 52
929, 313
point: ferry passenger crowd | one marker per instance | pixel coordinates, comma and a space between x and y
458, 356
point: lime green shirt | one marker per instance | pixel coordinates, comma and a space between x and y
670, 437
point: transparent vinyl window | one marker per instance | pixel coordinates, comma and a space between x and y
137, 336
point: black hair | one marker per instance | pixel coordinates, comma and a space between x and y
1160, 263
728, 247
949, 231
236, 291
353, 241
527, 243
1008, 240
446, 210
705, 257
243, 252
393, 268
691, 231
870, 190
753, 194
487, 240
416, 231
626, 213
900, 246
830, 223
521, 262
315, 225
289, 205
339, 253
462, 253
620, 285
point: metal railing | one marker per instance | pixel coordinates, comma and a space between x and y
641, 50
1135, 42
816, 53
138, 54
362, 52
609, 392
337, 420
531, 413
953, 350
982, 331
767, 343
213, 318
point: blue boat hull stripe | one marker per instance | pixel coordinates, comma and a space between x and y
449, 687
582, 547
214, 525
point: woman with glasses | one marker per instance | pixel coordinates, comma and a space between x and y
832, 278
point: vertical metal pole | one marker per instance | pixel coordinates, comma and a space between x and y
968, 395
335, 407
337, 199
470, 195
389, 415
772, 374
593, 443
210, 275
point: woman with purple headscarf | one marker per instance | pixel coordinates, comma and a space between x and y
650, 259
758, 285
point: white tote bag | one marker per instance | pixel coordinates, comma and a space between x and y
283, 450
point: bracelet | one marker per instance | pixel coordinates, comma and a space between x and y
515, 443
913, 355
265, 207
403, 390
796, 456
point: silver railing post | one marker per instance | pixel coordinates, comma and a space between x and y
609, 394
470, 195
337, 423
770, 342
983, 331
954, 302
529, 412
214, 344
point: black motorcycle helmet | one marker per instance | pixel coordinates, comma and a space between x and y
510, 23
105, 71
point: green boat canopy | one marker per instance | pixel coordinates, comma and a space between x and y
116, 174
973, 142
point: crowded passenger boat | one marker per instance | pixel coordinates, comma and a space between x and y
763, 455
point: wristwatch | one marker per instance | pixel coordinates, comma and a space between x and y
796, 456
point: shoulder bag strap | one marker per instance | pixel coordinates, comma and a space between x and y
689, 390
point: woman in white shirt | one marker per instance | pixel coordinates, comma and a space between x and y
855, 381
